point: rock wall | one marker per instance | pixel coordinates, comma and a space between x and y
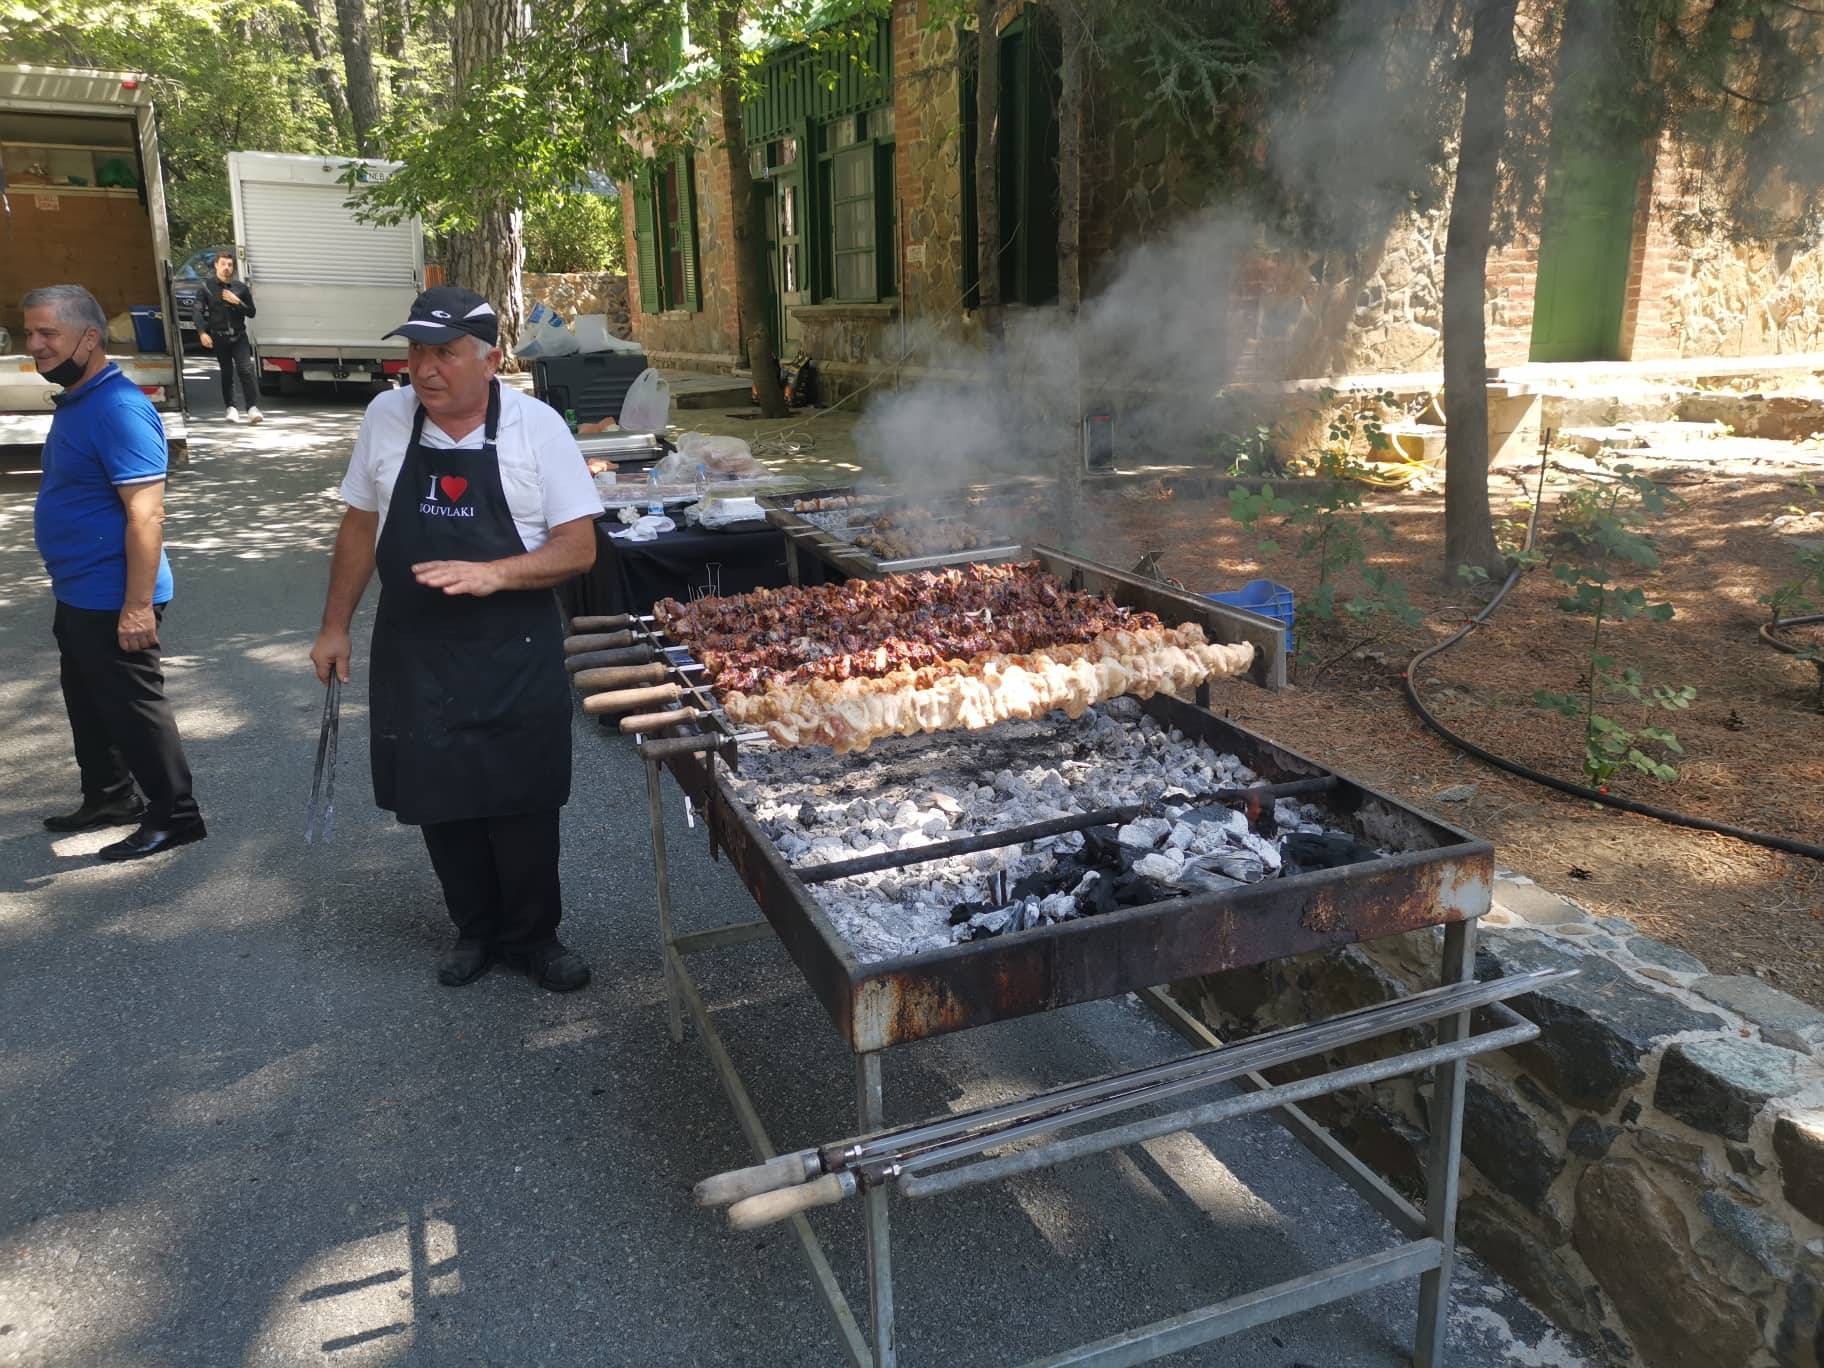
583, 292
1649, 1171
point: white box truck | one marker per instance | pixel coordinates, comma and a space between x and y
84, 204
326, 286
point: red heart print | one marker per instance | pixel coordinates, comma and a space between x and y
453, 487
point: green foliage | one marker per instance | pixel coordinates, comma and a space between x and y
1335, 533
1599, 527
576, 233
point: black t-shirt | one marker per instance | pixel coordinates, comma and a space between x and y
228, 320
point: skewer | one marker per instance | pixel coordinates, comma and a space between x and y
619, 676
611, 623
652, 722
597, 641
590, 660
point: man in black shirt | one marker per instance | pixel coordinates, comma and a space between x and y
228, 304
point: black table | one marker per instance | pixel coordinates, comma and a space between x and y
629, 577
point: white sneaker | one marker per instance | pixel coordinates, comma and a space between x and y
255, 416
234, 414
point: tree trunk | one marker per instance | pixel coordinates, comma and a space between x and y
487, 258
1071, 76
358, 67
324, 65
988, 162
1469, 534
751, 264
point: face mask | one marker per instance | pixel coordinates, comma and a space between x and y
67, 371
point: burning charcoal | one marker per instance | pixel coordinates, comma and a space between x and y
1135, 890
859, 809
1095, 894
1163, 865
1324, 850
906, 815
1144, 833
1267, 852
967, 911
1183, 833
1179, 796
1240, 865
807, 815
1035, 885
1201, 880
1101, 847
1058, 907
937, 826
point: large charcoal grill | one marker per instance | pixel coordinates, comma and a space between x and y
1437, 876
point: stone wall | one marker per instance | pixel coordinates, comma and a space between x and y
1650, 1171
574, 293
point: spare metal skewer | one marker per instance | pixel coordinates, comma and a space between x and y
323, 782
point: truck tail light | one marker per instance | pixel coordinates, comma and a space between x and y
288, 364
392, 368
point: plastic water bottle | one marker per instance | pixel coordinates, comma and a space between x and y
702, 480
570, 420
655, 506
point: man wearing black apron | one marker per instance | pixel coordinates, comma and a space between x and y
472, 501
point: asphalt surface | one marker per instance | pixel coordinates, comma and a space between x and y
242, 1124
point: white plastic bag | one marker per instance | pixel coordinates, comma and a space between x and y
545, 335
592, 335
647, 407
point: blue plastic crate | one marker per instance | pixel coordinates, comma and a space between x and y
148, 328
1266, 597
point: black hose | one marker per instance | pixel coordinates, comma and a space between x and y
1409, 678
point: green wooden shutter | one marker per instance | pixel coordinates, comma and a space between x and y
687, 231
646, 243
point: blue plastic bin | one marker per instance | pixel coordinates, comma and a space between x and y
1266, 597
148, 328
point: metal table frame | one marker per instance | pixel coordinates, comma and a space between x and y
1427, 1250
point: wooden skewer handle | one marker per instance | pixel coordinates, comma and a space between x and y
599, 641
630, 700
785, 1170
619, 676
651, 722
601, 624
769, 1207
593, 660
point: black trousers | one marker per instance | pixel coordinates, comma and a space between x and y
123, 727
499, 876
236, 358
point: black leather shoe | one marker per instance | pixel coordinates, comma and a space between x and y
150, 840
107, 812
464, 962
551, 966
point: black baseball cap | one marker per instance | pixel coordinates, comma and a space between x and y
444, 313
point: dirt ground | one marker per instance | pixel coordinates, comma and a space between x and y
1753, 738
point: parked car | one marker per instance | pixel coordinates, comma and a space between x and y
187, 287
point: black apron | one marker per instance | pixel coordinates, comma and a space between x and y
467, 698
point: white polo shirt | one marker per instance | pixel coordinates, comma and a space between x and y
542, 470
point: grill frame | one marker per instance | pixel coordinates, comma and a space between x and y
875, 1005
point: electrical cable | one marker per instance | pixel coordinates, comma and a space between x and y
1409, 680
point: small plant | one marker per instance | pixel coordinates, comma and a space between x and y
1797, 598
1336, 535
1598, 527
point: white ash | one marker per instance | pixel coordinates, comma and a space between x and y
905, 792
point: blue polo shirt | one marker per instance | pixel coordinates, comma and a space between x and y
105, 434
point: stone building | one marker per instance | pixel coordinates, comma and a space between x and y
865, 173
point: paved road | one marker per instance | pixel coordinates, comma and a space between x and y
243, 1125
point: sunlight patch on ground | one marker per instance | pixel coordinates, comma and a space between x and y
250, 1095
1208, 1182
1550, 1352
76, 1284
360, 1303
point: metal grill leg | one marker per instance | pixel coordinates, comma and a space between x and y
661, 878
874, 1208
1446, 1151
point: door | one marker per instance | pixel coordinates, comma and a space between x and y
786, 238
1586, 240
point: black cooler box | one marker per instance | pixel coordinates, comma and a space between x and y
594, 383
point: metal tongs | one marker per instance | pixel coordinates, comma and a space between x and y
326, 766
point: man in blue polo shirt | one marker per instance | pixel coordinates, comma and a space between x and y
99, 523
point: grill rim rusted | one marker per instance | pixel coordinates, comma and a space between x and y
941, 991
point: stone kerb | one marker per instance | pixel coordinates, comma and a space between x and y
1649, 1171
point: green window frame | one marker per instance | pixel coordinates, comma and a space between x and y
665, 235
856, 232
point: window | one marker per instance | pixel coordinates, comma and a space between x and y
860, 264
665, 235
